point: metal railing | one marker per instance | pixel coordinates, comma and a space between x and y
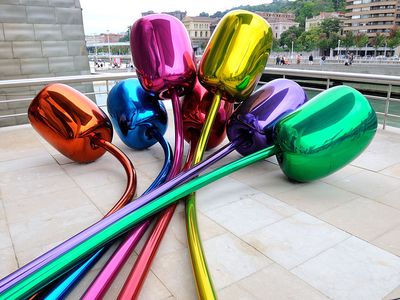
320, 80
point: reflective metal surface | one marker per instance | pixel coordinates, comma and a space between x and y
68, 120
133, 112
325, 134
256, 117
195, 107
236, 55
163, 55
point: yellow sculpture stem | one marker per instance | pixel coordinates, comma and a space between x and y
204, 284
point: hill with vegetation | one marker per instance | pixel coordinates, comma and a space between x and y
302, 9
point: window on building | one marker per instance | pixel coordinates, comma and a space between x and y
201, 33
195, 34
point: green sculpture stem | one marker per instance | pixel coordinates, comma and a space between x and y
65, 262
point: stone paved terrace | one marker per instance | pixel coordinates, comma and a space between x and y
265, 237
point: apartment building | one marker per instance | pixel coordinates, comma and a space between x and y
372, 16
317, 20
280, 22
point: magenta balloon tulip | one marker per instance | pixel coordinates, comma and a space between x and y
163, 55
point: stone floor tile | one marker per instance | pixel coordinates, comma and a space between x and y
22, 190
344, 172
276, 205
243, 216
5, 238
19, 142
230, 259
106, 196
294, 240
97, 173
175, 272
30, 174
35, 231
275, 282
8, 262
395, 294
207, 227
265, 177
391, 198
390, 241
234, 291
316, 197
368, 184
381, 153
24, 163
224, 191
364, 218
45, 206
353, 269
393, 170
62, 159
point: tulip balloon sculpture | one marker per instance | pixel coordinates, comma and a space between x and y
194, 109
141, 121
267, 105
80, 130
231, 66
314, 141
195, 106
163, 56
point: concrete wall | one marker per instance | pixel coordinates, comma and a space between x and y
39, 38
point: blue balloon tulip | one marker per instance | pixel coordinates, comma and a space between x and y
135, 114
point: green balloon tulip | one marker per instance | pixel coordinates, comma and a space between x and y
325, 134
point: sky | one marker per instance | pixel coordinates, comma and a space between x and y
116, 15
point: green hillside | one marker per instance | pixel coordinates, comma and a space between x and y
301, 8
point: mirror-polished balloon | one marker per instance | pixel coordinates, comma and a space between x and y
256, 117
236, 55
163, 55
195, 107
133, 111
325, 134
68, 120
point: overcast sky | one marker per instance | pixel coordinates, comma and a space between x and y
117, 15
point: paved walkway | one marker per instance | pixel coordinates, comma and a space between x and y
265, 237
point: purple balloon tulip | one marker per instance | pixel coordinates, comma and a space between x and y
256, 117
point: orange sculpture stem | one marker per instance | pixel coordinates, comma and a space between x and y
131, 184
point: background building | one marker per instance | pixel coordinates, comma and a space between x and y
316, 20
39, 39
372, 16
199, 29
280, 22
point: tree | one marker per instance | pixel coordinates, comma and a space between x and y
275, 44
330, 26
378, 41
348, 39
361, 39
290, 36
309, 39
393, 39
204, 14
126, 37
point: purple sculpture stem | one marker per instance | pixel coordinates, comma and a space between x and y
47, 257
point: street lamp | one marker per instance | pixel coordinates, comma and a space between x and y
95, 47
338, 49
291, 56
109, 49
385, 50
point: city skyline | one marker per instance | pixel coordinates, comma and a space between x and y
98, 17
